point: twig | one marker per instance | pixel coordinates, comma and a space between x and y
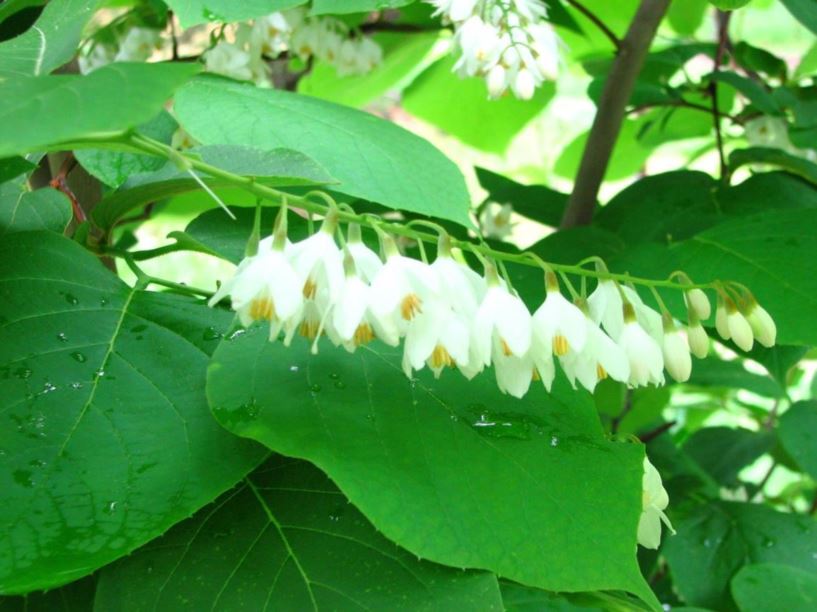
611, 112
723, 40
628, 405
597, 22
60, 183
654, 433
173, 40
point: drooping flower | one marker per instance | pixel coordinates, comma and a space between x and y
643, 352
138, 45
676, 352
559, 325
495, 220
502, 323
654, 500
762, 325
698, 340
229, 60
319, 261
698, 303
599, 359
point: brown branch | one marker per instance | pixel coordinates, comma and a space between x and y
596, 21
723, 41
654, 433
60, 183
611, 112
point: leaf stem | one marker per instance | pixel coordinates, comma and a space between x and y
596, 20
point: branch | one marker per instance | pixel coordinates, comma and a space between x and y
610, 115
597, 22
723, 41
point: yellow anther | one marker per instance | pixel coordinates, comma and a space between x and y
310, 289
560, 345
411, 306
441, 358
309, 328
262, 308
601, 373
363, 334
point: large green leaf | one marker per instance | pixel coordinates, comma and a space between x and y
50, 42
372, 158
286, 539
278, 167
533, 201
22, 210
194, 12
11, 167
452, 470
715, 541
769, 587
723, 451
771, 253
37, 112
805, 11
662, 208
766, 190
404, 57
759, 97
485, 124
776, 157
797, 431
720, 374
107, 440
78, 596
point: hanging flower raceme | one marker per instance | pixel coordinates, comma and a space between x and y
504, 41
448, 316
654, 500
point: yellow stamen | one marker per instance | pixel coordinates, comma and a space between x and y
309, 328
560, 345
441, 357
310, 289
601, 373
535, 375
410, 306
262, 308
363, 334
506, 350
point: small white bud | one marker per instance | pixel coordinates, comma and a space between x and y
698, 340
524, 85
762, 325
721, 323
697, 301
676, 356
739, 330
496, 81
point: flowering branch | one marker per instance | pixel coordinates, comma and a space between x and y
610, 115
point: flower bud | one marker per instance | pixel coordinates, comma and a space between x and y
762, 325
496, 81
697, 301
720, 321
698, 340
739, 330
524, 85
676, 355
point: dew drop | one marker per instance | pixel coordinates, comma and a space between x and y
76, 385
23, 373
79, 357
339, 384
211, 333
103, 302
294, 368
99, 373
767, 542
554, 441
71, 299
62, 337
110, 507
48, 387
236, 334
23, 478
315, 388
334, 376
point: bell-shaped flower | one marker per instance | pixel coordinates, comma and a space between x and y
401, 289
439, 337
698, 340
698, 303
606, 308
461, 287
229, 60
319, 261
496, 81
739, 330
479, 43
600, 358
643, 352
367, 263
559, 324
721, 323
654, 500
514, 373
524, 84
762, 325
502, 323
265, 286
676, 352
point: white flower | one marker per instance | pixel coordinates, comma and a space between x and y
514, 374
606, 308
496, 81
600, 358
96, 56
230, 61
654, 500
264, 287
479, 43
138, 45
502, 324
530, 10
762, 324
271, 34
524, 85
367, 262
319, 261
559, 325
676, 353
698, 303
698, 340
438, 337
643, 354
460, 286
495, 220
460, 10
739, 330
353, 322
721, 324
545, 46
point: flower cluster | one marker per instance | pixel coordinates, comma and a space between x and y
293, 31
505, 41
449, 316
137, 45
654, 500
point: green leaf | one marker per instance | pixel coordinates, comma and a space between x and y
476, 120
760, 60
723, 451
11, 167
372, 158
114, 168
797, 430
277, 167
662, 208
767, 586
766, 190
716, 540
286, 538
452, 470
729, 5
404, 57
77, 596
775, 157
49, 43
721, 374
107, 439
340, 7
804, 11
536, 202
686, 17
769, 252
758, 96
519, 598
194, 12
22, 210
109, 100
778, 360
